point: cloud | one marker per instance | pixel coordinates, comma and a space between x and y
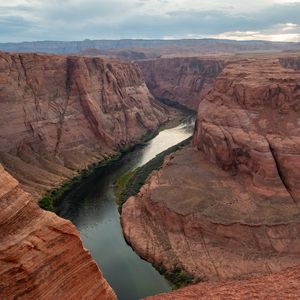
98, 19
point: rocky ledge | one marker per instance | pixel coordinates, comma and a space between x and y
283, 285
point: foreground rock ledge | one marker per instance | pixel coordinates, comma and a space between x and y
41, 255
284, 285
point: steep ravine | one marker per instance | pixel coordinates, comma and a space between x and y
185, 80
228, 207
59, 115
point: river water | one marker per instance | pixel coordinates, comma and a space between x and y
92, 208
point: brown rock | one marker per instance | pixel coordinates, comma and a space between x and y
284, 285
184, 80
251, 126
229, 209
59, 114
41, 255
193, 215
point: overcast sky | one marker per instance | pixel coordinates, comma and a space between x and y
29, 20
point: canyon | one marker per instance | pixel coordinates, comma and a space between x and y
227, 208
185, 80
224, 209
61, 114
41, 255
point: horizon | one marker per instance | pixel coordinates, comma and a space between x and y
152, 39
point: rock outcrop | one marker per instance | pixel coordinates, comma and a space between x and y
229, 207
184, 80
284, 285
59, 114
41, 255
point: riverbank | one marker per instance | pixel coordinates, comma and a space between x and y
92, 208
50, 200
130, 183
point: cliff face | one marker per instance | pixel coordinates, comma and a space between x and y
185, 80
59, 114
251, 127
229, 208
41, 255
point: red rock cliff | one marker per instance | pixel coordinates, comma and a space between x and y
41, 255
249, 125
229, 208
59, 114
184, 80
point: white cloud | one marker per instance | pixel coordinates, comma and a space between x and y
80, 19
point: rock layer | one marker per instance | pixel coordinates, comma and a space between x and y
251, 127
284, 285
41, 255
184, 80
59, 114
229, 209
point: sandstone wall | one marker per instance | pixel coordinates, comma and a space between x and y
249, 125
59, 114
185, 80
41, 255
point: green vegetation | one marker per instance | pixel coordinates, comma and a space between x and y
178, 277
130, 183
52, 197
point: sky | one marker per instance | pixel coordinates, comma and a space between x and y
30, 20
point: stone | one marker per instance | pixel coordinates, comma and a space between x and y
59, 114
227, 208
41, 255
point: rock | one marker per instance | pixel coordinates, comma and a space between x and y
284, 285
229, 208
41, 255
59, 114
184, 80
250, 127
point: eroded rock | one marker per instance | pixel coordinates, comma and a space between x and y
184, 80
229, 207
59, 114
41, 255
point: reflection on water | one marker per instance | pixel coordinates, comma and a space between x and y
91, 207
164, 140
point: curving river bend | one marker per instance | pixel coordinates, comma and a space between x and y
92, 208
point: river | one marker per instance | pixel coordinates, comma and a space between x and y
92, 208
